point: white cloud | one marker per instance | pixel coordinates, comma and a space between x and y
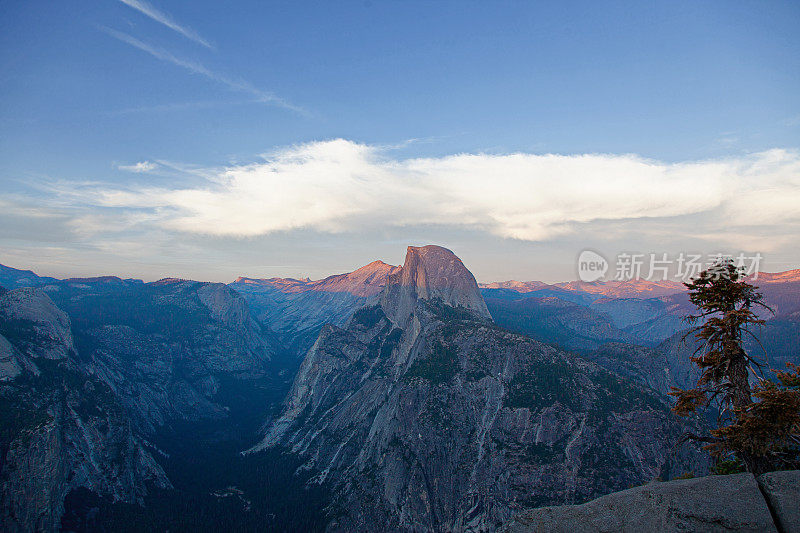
163, 18
341, 186
140, 167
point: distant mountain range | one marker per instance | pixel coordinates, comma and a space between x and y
641, 336
611, 289
389, 397
296, 309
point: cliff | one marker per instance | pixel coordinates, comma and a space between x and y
421, 415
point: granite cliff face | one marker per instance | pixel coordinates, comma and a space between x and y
99, 376
167, 349
62, 428
431, 273
49, 327
423, 415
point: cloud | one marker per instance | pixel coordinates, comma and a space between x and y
792, 121
341, 186
182, 106
163, 18
198, 68
140, 167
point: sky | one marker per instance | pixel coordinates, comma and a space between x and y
209, 140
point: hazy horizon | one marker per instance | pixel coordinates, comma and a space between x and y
533, 277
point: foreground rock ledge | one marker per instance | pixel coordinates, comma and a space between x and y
714, 503
782, 490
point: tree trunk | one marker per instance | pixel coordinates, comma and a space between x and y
741, 399
737, 375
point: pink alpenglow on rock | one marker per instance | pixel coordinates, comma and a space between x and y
428, 273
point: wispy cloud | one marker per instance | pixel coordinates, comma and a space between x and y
340, 186
792, 121
181, 106
140, 167
234, 84
163, 18
728, 138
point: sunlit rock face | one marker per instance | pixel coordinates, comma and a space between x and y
297, 309
431, 273
363, 282
423, 415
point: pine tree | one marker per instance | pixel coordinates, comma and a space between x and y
763, 433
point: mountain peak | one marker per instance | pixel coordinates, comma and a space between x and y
363, 282
431, 272
518, 286
372, 268
788, 276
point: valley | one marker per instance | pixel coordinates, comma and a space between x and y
406, 396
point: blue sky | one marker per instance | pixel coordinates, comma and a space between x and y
120, 118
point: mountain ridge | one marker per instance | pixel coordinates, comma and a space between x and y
421, 414
365, 281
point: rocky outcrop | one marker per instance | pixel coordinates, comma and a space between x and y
40, 327
422, 415
12, 361
224, 305
10, 366
707, 504
64, 439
